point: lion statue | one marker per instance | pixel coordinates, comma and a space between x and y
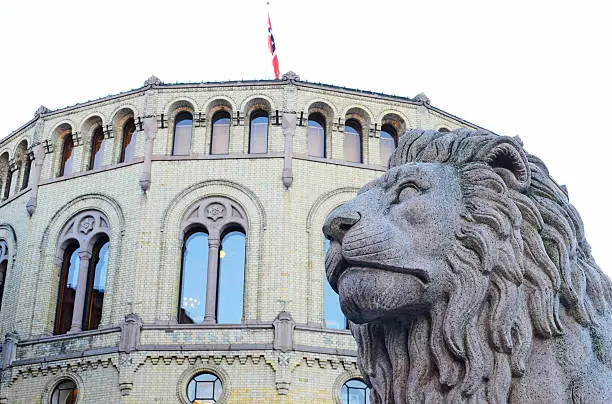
466, 276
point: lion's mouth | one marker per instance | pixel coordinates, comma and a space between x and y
336, 265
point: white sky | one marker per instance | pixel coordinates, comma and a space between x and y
538, 69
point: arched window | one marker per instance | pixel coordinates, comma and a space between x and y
67, 156
83, 251
220, 133
355, 391
128, 141
22, 159
352, 141
183, 124
214, 257
316, 135
443, 129
97, 149
230, 293
3, 268
388, 142
204, 388
5, 176
258, 134
66, 392
96, 282
332, 314
194, 278
68, 285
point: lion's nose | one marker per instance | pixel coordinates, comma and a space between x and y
339, 222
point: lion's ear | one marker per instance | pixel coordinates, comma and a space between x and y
507, 157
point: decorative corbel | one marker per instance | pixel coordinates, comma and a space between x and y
37, 154
150, 130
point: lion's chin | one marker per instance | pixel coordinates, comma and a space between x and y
368, 294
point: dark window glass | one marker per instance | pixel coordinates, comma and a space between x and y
25, 178
3, 268
182, 134
98, 267
193, 278
443, 130
97, 149
316, 135
65, 393
388, 139
230, 291
129, 140
334, 318
355, 392
7, 185
69, 278
258, 135
220, 133
204, 388
67, 156
352, 141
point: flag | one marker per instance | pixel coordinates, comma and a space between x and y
272, 47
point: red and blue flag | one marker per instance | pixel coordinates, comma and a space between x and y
272, 47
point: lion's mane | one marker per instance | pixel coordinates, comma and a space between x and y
521, 267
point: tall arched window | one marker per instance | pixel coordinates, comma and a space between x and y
3, 268
258, 134
96, 283
214, 257
388, 142
128, 141
194, 277
183, 124
68, 285
5, 176
355, 391
97, 149
230, 291
316, 135
66, 392
22, 158
83, 251
352, 141
332, 314
220, 138
67, 156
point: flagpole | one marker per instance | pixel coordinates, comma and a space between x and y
267, 50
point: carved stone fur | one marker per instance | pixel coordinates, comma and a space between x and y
467, 278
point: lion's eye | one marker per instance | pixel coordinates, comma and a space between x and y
408, 191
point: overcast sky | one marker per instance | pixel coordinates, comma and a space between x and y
538, 69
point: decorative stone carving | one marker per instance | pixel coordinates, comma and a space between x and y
290, 76
215, 211
87, 225
283, 331
130, 333
467, 278
421, 97
41, 110
152, 81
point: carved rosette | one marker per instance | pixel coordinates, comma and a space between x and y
215, 214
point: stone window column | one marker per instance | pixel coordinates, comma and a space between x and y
150, 130
37, 155
79, 299
210, 317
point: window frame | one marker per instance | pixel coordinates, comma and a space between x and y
177, 121
217, 116
322, 122
256, 114
358, 128
124, 145
97, 133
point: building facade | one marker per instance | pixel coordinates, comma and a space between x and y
164, 244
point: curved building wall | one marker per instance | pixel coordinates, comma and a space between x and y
282, 350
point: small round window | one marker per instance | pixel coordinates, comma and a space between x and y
65, 393
204, 388
355, 391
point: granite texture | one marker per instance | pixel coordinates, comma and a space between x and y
467, 278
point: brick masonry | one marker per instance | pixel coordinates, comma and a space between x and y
284, 269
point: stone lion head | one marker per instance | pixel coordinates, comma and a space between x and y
466, 275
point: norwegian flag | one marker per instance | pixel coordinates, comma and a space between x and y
272, 47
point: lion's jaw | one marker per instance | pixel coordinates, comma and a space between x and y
388, 255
